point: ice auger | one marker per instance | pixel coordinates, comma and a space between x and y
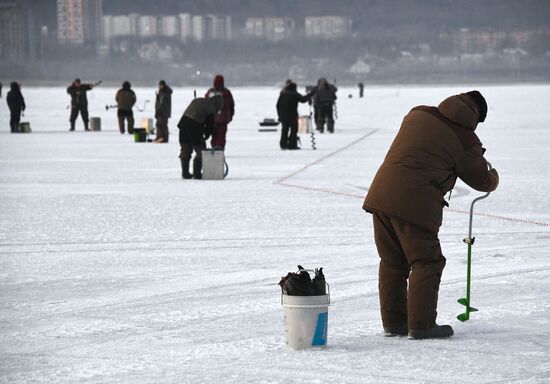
470, 241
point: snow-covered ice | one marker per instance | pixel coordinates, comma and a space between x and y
114, 270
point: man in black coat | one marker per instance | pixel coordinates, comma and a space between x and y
16, 104
79, 102
287, 110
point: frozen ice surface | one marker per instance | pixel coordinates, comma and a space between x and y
114, 270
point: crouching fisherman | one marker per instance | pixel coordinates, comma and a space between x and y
196, 126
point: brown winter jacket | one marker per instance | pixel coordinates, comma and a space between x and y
433, 147
125, 99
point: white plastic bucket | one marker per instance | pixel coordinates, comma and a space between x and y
306, 320
213, 163
147, 123
95, 123
304, 124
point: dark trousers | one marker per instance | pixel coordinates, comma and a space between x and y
324, 113
407, 252
162, 129
15, 118
289, 134
218, 136
191, 139
129, 117
83, 110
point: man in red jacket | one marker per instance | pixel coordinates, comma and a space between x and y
225, 116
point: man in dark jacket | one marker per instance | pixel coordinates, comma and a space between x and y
287, 110
163, 111
433, 147
225, 116
196, 126
16, 104
79, 102
323, 101
125, 100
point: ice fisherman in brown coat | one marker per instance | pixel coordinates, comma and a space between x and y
125, 100
433, 147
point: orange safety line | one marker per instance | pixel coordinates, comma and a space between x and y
282, 182
325, 157
500, 217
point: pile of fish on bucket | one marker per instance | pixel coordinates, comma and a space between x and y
300, 283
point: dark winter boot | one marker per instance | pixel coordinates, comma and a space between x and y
121, 125
320, 125
401, 330
185, 170
197, 169
330, 126
436, 332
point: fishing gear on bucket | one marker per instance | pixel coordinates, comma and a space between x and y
470, 241
300, 283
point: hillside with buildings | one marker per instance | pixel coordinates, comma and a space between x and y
258, 42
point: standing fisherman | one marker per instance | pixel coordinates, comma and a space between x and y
163, 111
125, 100
16, 104
225, 116
287, 110
79, 102
323, 102
434, 147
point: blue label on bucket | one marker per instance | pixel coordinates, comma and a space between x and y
320, 337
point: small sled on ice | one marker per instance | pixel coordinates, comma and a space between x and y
268, 123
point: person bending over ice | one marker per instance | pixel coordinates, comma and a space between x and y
196, 126
434, 147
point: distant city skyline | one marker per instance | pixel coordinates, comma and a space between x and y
261, 39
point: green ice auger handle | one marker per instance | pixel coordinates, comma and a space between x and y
472, 207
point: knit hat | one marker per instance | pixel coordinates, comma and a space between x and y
481, 104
